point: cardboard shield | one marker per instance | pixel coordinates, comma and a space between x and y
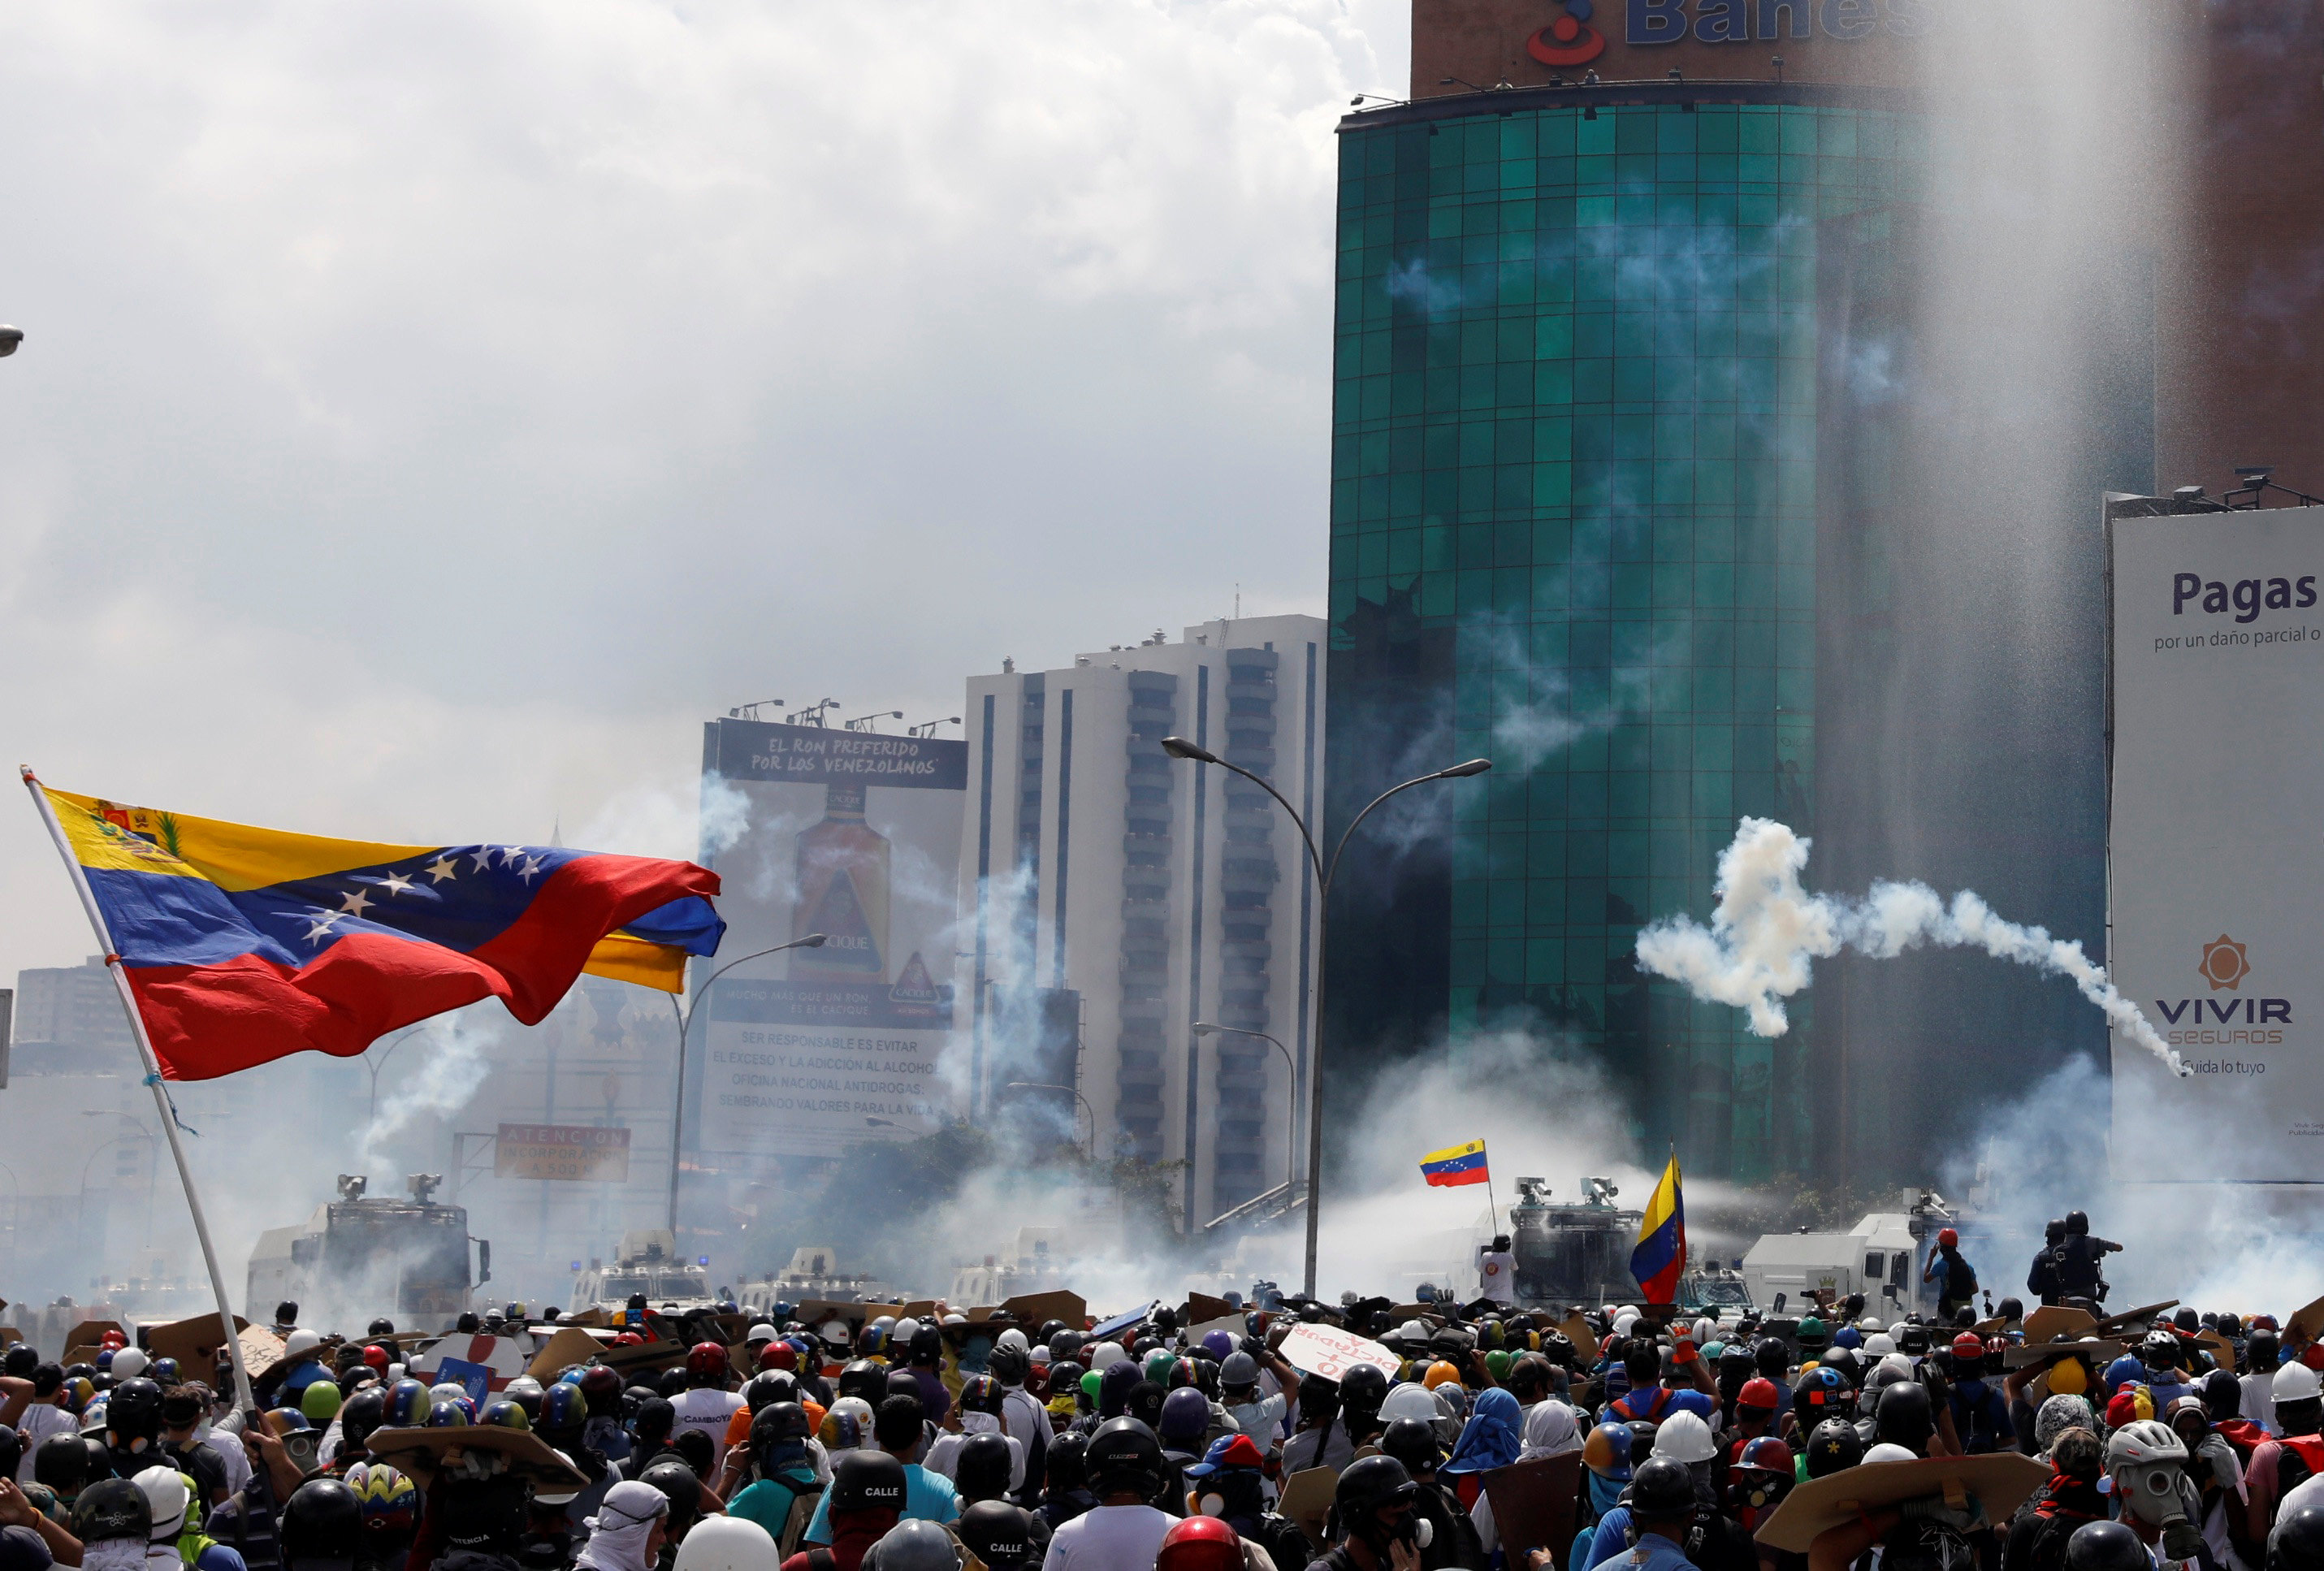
2137, 1320
2305, 1325
1032, 1308
195, 1343
1307, 1500
2000, 1482
422, 1452
1535, 1504
571, 1345
2100, 1353
2057, 1322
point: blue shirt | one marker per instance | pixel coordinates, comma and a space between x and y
928, 1497
1654, 1552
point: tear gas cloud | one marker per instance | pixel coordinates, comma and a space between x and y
1766, 931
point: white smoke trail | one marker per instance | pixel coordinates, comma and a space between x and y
451, 1053
1766, 930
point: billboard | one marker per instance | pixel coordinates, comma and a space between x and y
856, 837
2214, 872
577, 1152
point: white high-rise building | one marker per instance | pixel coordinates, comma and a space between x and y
1165, 893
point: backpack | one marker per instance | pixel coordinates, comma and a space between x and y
1960, 1279
2300, 1459
2046, 1550
803, 1504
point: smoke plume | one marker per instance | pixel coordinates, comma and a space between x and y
1766, 930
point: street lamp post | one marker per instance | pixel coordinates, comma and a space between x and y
1179, 747
1070, 1091
686, 1023
376, 1065
1202, 1027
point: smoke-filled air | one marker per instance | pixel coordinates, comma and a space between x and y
1767, 931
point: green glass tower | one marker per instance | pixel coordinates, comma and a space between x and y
1583, 436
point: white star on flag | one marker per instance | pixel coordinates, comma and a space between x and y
396, 883
355, 904
322, 927
443, 867
530, 870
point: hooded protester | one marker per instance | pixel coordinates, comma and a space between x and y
628, 1530
1492, 1439
2039, 1532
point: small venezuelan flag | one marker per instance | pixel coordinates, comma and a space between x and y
1456, 1164
244, 945
1660, 1258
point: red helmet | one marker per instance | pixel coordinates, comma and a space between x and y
1969, 1345
777, 1356
706, 1361
1947, 1238
1759, 1391
377, 1357
629, 1339
1200, 1544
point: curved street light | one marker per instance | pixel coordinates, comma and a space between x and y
685, 1023
1179, 747
1202, 1027
1070, 1091
393, 1042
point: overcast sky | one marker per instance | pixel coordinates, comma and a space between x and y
431, 413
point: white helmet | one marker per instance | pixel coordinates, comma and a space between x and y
1039, 1354
726, 1543
1886, 1451
1412, 1331
445, 1391
301, 1341
2294, 1382
1105, 1355
1684, 1437
1879, 1345
904, 1331
523, 1385
1706, 1329
954, 1319
1869, 1324
1624, 1321
128, 1363
2144, 1440
1012, 1338
166, 1497
885, 1322
762, 1332
1409, 1400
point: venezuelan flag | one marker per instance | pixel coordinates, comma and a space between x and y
1660, 1257
244, 945
1456, 1164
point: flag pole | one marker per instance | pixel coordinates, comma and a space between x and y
244, 1398
1492, 1206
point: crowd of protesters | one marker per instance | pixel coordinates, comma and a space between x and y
826, 1443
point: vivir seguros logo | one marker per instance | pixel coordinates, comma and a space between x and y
2208, 1020
1569, 40
2225, 963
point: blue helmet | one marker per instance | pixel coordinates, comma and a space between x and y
451, 1415
2125, 1369
564, 1405
1607, 1451
500, 1413
1848, 1337
408, 1405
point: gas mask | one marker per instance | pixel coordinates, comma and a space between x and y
2148, 1464
1410, 1528
1753, 1493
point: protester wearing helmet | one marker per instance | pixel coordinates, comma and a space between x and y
1376, 1521
899, 1427
1003, 1537
2296, 1454
1954, 1277
866, 1498
978, 1411
706, 1406
1690, 1388
1981, 1413
1658, 1511
2081, 1258
1318, 1440
1122, 1463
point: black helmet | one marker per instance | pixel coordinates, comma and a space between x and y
677, 1480
1008, 1366
1660, 1489
2263, 1350
2010, 1309
778, 1423
914, 1546
927, 1344
765, 1390
901, 1382
1904, 1417
982, 1470
61, 1462
322, 1522
862, 1378
1832, 1446
2055, 1229
111, 1508
999, 1534
1062, 1468
2297, 1541
1642, 1438
1122, 1454
2106, 1547
1369, 1485
866, 1480
1319, 1397
381, 1326
359, 1415
2223, 1396
134, 1410
1771, 1357
1413, 1442
1362, 1390
2077, 1223
21, 1359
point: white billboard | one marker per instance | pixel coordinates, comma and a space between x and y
855, 837
2216, 869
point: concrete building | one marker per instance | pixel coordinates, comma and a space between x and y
1165, 893
65, 1013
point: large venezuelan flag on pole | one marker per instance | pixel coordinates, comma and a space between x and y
1456, 1164
241, 945
1660, 1258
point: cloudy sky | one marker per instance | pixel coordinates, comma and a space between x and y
429, 413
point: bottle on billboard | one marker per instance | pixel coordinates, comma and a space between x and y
843, 892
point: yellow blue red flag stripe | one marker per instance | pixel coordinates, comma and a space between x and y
241, 945
1456, 1164
1659, 1260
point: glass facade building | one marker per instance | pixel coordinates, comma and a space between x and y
1576, 472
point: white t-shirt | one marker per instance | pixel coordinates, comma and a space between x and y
943, 1457
1262, 1420
1496, 1276
708, 1409
231, 1451
2259, 1400
1112, 1537
39, 1422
